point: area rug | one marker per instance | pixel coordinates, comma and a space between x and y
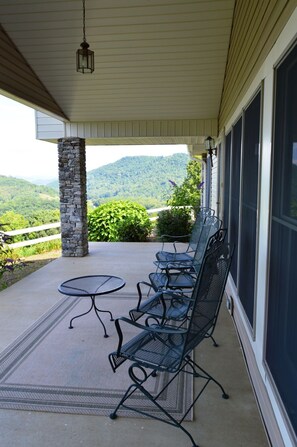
56, 369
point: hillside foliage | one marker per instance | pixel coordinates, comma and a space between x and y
144, 179
25, 198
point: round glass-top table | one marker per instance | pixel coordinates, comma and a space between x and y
92, 286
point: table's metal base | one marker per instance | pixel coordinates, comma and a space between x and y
97, 310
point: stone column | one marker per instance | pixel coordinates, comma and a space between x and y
73, 196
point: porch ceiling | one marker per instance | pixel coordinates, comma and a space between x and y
154, 59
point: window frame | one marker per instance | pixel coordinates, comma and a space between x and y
289, 223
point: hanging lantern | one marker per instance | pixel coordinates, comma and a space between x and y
84, 56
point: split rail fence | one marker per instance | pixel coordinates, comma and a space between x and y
54, 236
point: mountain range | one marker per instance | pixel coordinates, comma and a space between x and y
144, 179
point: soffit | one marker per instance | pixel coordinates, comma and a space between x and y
153, 59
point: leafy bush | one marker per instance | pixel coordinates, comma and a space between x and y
108, 219
134, 230
174, 222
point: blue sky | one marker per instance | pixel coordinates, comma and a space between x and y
24, 156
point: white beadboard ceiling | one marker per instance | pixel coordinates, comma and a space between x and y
154, 59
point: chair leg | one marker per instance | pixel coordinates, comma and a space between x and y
139, 386
205, 375
214, 342
127, 394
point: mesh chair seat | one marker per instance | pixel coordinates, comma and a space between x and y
188, 253
156, 348
165, 257
190, 260
178, 281
179, 276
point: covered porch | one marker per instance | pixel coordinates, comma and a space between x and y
234, 422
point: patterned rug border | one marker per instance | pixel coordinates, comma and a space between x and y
76, 400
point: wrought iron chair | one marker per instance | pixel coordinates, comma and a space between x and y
193, 238
166, 305
182, 275
168, 349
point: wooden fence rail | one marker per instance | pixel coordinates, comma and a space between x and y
34, 230
56, 236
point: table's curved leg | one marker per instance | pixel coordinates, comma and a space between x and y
100, 310
80, 315
97, 310
98, 316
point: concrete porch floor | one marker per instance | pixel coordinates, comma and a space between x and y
217, 422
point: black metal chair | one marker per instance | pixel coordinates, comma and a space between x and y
193, 238
166, 305
158, 348
182, 275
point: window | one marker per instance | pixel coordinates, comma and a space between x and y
249, 205
281, 339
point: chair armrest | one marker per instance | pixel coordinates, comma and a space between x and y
140, 296
156, 329
158, 294
181, 266
166, 329
178, 265
174, 239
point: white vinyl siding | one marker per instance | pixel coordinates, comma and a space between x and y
256, 26
127, 132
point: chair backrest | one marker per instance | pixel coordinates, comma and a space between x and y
208, 293
198, 224
210, 227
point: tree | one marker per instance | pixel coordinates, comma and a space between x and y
13, 221
189, 192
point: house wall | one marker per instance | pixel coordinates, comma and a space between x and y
260, 74
256, 27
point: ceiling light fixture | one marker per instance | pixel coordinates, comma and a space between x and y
84, 56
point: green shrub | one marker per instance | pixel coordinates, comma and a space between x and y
105, 222
134, 230
174, 222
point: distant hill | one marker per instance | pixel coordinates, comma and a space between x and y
25, 198
144, 179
